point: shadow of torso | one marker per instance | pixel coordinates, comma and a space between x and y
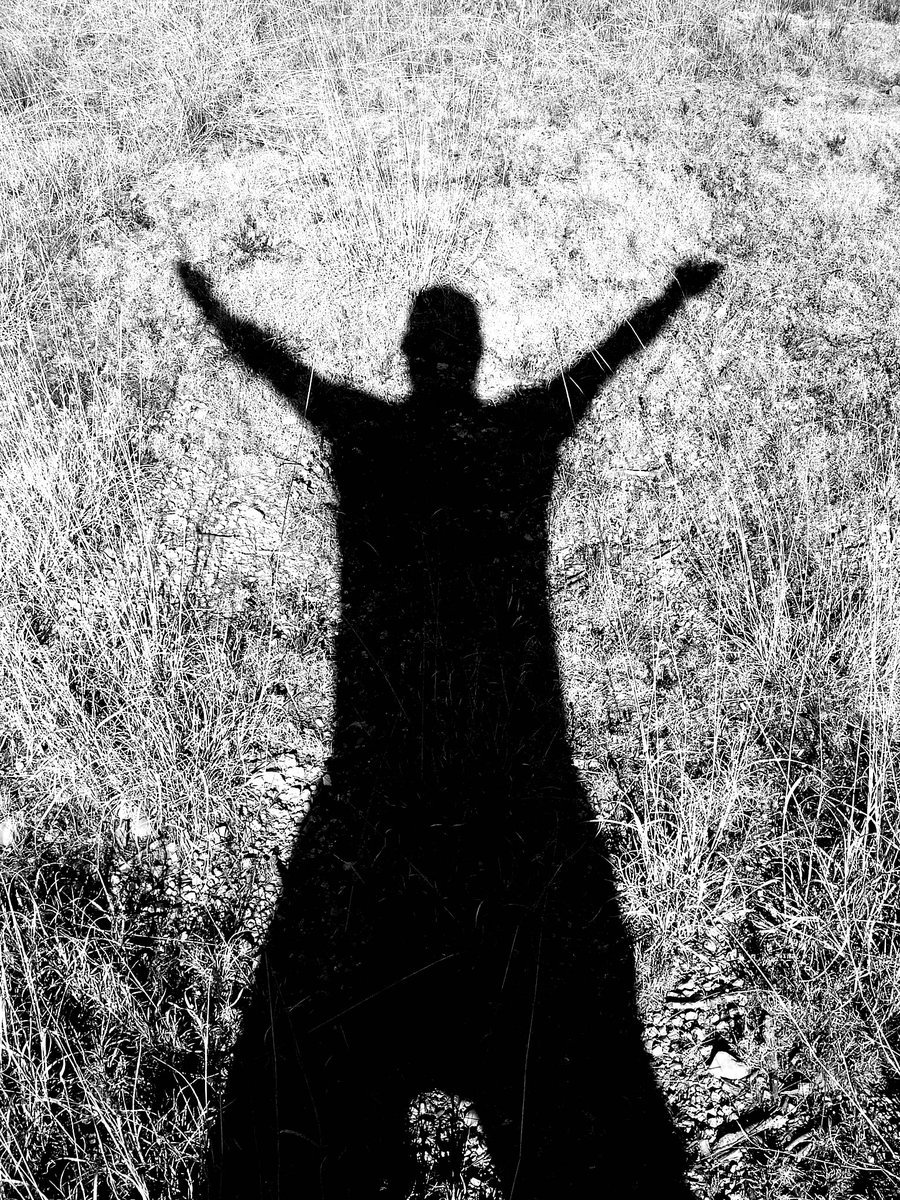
446, 656
449, 918
449, 744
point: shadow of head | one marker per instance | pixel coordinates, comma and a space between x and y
442, 342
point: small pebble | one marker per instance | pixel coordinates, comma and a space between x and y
726, 1066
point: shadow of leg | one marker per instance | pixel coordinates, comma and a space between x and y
562, 1083
562, 1128
324, 1116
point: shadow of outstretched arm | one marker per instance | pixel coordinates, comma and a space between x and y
570, 393
311, 395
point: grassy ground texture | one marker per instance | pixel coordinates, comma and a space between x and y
725, 574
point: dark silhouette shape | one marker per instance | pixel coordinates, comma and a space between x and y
449, 918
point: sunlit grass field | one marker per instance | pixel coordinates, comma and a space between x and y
725, 574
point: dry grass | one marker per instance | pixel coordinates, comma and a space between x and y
727, 623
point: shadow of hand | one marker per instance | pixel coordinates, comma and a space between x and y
695, 275
197, 285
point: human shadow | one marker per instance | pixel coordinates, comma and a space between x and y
449, 918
